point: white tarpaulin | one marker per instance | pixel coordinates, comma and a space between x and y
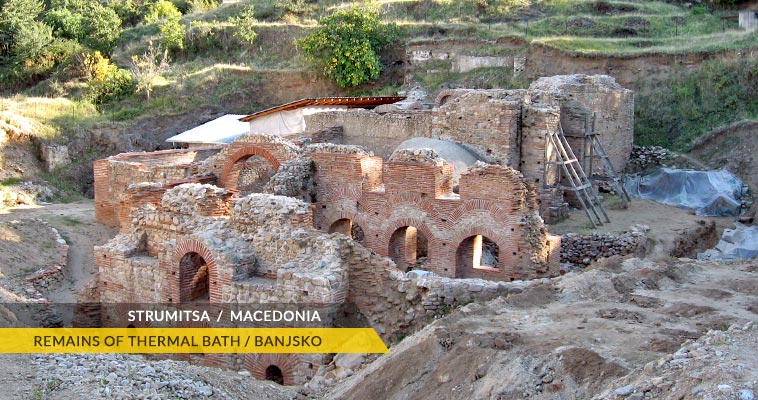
738, 243
709, 193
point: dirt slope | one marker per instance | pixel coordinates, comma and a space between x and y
734, 148
570, 338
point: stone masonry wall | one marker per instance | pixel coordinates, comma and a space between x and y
380, 133
598, 95
483, 118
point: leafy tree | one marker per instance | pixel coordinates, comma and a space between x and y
86, 21
345, 47
169, 17
14, 15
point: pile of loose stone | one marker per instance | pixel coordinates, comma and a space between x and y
719, 365
644, 156
124, 376
583, 250
422, 156
120, 376
27, 193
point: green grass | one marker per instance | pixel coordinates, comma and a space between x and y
68, 190
677, 111
11, 181
48, 118
729, 40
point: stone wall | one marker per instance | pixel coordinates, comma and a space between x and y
586, 249
380, 133
600, 98
484, 118
114, 175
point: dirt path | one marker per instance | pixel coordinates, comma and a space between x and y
76, 223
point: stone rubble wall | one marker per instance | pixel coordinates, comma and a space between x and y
489, 118
295, 178
38, 283
598, 95
54, 156
586, 249
381, 133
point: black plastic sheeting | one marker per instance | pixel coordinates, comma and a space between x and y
709, 193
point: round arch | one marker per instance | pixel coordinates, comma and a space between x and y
228, 180
385, 241
475, 242
186, 271
265, 366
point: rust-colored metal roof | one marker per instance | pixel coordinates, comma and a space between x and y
350, 102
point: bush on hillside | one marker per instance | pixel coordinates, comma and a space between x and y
346, 46
243, 25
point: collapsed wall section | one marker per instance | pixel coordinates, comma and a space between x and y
115, 175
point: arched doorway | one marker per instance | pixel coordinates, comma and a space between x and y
409, 248
194, 280
348, 228
249, 169
477, 252
253, 174
274, 374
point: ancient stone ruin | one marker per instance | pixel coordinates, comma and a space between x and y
272, 219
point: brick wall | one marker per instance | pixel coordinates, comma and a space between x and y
494, 202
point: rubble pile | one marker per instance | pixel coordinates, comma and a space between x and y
586, 249
647, 156
421, 156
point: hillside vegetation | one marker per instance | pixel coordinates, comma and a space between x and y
71, 65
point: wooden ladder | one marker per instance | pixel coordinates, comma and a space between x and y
594, 150
577, 179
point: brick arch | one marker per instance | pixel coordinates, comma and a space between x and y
498, 212
384, 238
257, 364
191, 245
503, 242
397, 199
241, 155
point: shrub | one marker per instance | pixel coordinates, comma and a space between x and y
162, 10
243, 25
148, 67
108, 82
345, 47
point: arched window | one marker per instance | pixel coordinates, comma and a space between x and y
194, 282
348, 228
409, 248
477, 252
